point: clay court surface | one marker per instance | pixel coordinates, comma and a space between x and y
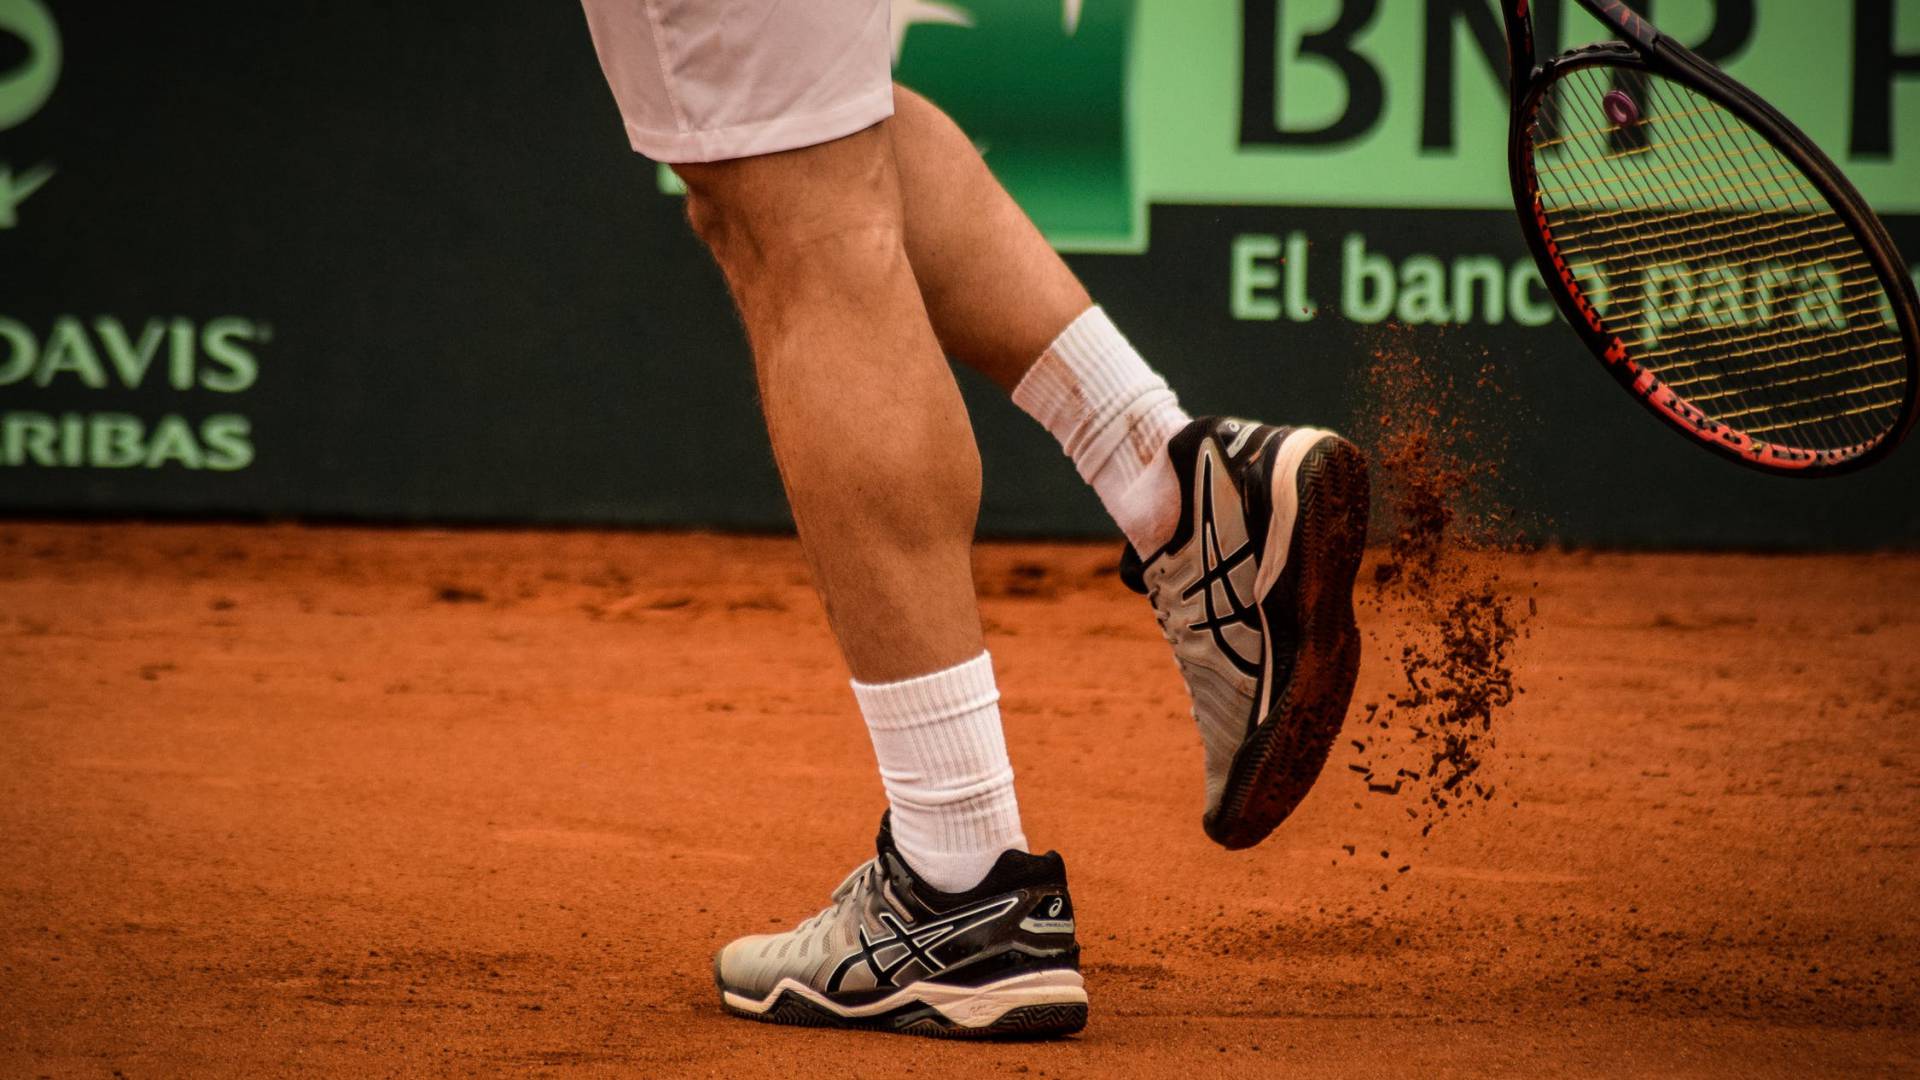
285, 801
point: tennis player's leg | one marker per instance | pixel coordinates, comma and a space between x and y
777, 124
1000, 298
1244, 536
868, 429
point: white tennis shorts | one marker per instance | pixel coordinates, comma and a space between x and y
712, 80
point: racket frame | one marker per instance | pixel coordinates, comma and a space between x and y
1644, 48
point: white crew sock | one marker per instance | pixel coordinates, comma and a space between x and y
1113, 415
943, 760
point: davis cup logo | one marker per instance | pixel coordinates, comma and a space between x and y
25, 86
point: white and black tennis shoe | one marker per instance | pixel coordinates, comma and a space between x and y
1255, 594
892, 953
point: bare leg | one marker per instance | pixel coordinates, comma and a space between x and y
997, 293
1002, 302
868, 428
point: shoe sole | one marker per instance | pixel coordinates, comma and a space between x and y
1284, 754
1035, 1005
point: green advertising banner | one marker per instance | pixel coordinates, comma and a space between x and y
365, 261
1352, 103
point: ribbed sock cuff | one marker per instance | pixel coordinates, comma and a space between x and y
928, 699
1113, 415
943, 761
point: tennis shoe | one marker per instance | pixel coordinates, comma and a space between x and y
892, 953
1255, 594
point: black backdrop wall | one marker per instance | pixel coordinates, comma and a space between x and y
395, 262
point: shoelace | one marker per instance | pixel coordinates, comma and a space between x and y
847, 888
1159, 613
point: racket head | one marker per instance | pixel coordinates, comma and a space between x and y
1716, 261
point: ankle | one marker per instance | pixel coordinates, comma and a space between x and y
943, 762
1113, 415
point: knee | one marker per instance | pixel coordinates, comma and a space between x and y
805, 204
712, 212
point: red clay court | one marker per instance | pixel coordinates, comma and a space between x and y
289, 801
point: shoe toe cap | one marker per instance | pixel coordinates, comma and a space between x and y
740, 965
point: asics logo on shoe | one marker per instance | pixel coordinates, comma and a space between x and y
915, 944
1050, 916
1225, 609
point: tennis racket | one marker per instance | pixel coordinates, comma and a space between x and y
1718, 264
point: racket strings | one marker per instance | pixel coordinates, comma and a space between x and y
1711, 253
1776, 366
1591, 171
1609, 128
1685, 288
1627, 179
1737, 414
1634, 219
1764, 335
1809, 240
1588, 171
1671, 143
1697, 187
1749, 313
1835, 383
1787, 425
1761, 350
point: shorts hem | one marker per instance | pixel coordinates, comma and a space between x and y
766, 136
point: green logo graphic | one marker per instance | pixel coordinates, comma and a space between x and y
24, 90
28, 86
1042, 91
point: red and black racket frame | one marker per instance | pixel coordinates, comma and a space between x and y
1643, 48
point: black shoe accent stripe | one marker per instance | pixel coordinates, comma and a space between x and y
1216, 568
